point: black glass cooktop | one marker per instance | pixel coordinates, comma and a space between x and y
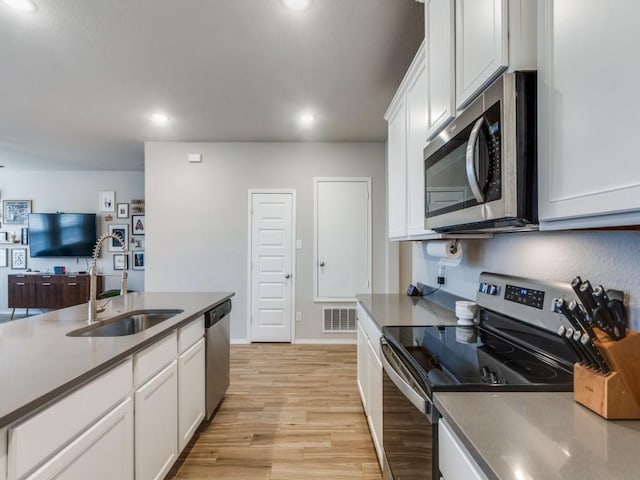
502, 353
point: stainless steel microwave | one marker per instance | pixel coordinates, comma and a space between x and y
481, 170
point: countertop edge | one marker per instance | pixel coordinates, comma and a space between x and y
52, 396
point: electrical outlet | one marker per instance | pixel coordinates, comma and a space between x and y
298, 316
441, 275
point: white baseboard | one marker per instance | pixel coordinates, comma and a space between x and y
240, 341
325, 341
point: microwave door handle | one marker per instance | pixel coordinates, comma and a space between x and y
471, 165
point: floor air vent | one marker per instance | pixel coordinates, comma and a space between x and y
339, 320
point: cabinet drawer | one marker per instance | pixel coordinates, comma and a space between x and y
154, 358
37, 438
454, 460
190, 334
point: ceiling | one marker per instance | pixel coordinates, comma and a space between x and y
80, 78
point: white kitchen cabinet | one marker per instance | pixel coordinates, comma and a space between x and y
3, 454
103, 452
440, 71
481, 46
370, 376
191, 392
454, 460
407, 127
589, 175
156, 425
397, 168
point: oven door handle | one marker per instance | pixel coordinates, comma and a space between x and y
472, 177
414, 394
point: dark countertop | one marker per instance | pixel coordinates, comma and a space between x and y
399, 310
39, 362
518, 435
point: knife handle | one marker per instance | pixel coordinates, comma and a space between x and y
582, 354
561, 305
595, 353
586, 297
561, 333
581, 318
577, 337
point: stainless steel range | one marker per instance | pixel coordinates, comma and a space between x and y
513, 347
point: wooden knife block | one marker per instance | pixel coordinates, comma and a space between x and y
617, 395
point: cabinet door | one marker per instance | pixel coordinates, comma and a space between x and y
416, 141
47, 292
481, 46
156, 425
21, 292
397, 170
363, 374
190, 392
589, 175
375, 399
74, 289
440, 44
104, 452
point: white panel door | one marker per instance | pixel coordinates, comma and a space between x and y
343, 238
271, 266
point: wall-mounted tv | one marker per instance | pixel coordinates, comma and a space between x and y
62, 234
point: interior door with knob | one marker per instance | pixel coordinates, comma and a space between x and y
342, 238
271, 266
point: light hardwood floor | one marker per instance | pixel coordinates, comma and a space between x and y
291, 412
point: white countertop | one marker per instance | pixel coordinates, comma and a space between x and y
39, 362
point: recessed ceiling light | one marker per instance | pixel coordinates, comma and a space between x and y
307, 119
297, 4
22, 5
159, 118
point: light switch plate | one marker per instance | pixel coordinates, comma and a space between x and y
195, 158
298, 244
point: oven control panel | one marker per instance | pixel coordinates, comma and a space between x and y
526, 299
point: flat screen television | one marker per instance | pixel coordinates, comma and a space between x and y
62, 234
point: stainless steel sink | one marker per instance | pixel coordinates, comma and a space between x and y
127, 324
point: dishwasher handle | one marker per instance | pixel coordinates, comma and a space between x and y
403, 380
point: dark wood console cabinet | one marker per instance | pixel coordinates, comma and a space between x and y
48, 290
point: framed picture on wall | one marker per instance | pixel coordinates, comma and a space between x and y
107, 201
19, 258
120, 261
137, 224
123, 232
16, 211
4, 256
123, 210
138, 260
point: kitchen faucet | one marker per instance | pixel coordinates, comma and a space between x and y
93, 275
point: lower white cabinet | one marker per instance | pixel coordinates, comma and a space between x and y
156, 425
454, 460
370, 376
191, 392
103, 452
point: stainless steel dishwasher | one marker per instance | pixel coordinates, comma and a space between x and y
217, 328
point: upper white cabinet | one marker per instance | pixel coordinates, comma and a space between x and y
407, 124
482, 47
397, 168
439, 28
589, 175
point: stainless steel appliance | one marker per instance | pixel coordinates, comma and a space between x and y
513, 347
481, 171
217, 334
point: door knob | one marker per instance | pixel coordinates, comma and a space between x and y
322, 264
288, 275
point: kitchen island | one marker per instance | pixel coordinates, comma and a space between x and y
62, 394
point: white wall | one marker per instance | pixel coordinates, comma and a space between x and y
610, 258
68, 191
197, 216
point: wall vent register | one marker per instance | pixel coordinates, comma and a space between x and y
339, 320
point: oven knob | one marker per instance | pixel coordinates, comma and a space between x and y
492, 290
484, 373
483, 288
493, 377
